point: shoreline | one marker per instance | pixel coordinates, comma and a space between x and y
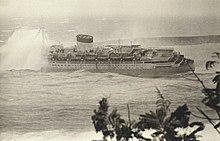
208, 133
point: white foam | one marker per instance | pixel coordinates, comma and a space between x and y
22, 51
71, 30
208, 134
54, 136
64, 22
6, 31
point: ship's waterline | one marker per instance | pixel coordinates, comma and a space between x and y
131, 68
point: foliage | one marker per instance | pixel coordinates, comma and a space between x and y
212, 100
112, 124
212, 96
164, 123
100, 119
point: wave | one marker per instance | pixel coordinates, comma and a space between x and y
169, 41
6, 31
22, 51
57, 135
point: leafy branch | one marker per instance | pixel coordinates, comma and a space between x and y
112, 125
212, 96
162, 121
166, 123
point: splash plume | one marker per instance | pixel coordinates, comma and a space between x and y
22, 50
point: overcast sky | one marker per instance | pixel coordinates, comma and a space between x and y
63, 8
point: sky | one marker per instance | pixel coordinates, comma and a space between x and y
80, 8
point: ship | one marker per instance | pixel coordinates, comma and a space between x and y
122, 59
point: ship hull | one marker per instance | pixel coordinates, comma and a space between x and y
133, 69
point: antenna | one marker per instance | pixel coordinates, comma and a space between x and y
42, 28
43, 35
45, 40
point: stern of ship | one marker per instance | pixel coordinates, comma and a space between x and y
187, 65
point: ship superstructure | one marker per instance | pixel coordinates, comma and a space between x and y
122, 59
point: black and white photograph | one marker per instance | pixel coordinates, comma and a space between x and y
109, 70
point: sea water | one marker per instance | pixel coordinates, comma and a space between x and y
54, 106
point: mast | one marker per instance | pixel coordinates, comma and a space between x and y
119, 42
43, 36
